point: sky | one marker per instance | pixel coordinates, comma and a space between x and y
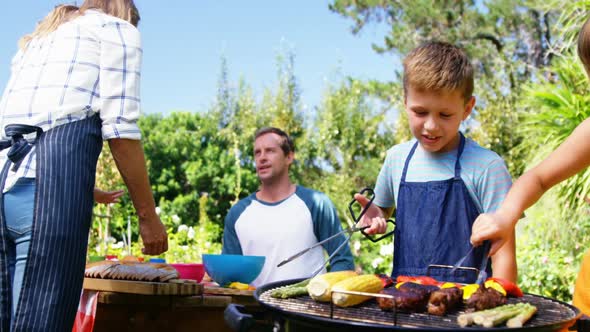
184, 41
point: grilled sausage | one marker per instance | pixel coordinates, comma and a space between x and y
410, 297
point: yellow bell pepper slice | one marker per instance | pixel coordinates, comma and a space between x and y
448, 285
468, 290
496, 286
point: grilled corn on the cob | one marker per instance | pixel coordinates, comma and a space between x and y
320, 287
368, 283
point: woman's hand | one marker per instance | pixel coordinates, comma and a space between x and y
494, 227
153, 234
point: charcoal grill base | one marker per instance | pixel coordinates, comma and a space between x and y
305, 314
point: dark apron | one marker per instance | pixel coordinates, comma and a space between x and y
433, 226
54, 272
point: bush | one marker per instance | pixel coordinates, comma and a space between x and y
549, 254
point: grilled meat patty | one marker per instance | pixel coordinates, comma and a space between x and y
418, 288
444, 300
410, 297
485, 298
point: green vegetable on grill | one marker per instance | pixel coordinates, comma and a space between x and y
514, 314
523, 317
294, 290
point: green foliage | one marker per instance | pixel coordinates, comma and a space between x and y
555, 108
188, 243
351, 138
548, 255
556, 235
372, 257
507, 41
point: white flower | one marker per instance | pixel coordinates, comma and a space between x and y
175, 219
185, 248
357, 245
182, 228
191, 233
376, 262
158, 210
118, 245
568, 260
386, 249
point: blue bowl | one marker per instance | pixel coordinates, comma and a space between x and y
225, 269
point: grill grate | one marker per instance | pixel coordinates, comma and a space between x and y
549, 312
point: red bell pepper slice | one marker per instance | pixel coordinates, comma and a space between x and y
385, 280
417, 279
510, 287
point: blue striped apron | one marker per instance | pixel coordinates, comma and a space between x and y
433, 226
66, 166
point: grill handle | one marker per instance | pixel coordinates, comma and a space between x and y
236, 318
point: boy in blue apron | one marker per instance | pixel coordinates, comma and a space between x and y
440, 181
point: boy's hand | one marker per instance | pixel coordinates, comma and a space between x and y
107, 197
494, 227
373, 217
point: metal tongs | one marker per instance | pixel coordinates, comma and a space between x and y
348, 231
482, 275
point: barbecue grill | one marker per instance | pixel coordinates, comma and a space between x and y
305, 314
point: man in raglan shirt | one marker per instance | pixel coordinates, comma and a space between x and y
282, 218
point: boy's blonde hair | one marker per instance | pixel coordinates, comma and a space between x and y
123, 9
437, 67
584, 46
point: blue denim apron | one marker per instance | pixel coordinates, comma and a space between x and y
433, 226
66, 166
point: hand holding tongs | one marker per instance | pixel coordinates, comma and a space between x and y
348, 230
365, 208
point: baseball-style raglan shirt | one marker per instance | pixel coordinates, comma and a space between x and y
281, 229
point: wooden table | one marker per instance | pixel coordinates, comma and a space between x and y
138, 312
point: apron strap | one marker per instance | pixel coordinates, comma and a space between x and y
19, 146
403, 179
459, 153
457, 163
5, 285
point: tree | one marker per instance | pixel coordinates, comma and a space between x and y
508, 42
351, 135
107, 219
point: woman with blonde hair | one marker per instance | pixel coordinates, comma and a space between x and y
74, 82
